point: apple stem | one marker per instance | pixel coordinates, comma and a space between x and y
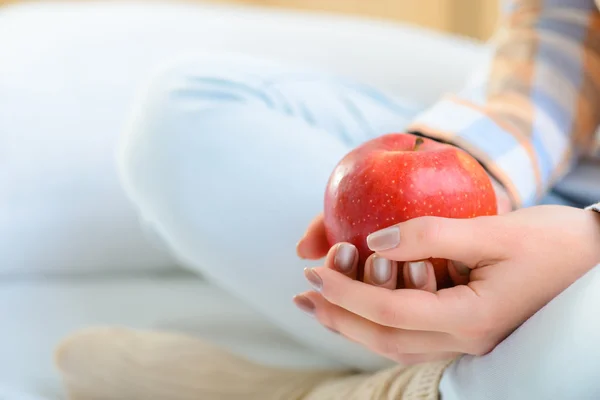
418, 144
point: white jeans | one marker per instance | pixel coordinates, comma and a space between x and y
227, 159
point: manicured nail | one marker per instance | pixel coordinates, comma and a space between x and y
417, 272
345, 255
382, 270
314, 279
304, 303
461, 268
384, 239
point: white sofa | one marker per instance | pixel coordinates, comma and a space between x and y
72, 251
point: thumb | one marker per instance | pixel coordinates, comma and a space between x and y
467, 240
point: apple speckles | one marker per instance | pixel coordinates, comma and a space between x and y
431, 177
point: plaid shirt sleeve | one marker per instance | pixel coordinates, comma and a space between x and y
533, 108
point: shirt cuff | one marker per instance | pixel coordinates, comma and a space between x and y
505, 156
594, 207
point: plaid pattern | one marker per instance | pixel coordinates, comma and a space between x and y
533, 109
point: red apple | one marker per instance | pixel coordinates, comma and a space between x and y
397, 177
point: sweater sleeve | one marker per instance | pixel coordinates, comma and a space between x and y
531, 110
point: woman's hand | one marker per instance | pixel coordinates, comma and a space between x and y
314, 244
518, 262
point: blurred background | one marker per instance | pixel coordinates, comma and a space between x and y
73, 250
472, 18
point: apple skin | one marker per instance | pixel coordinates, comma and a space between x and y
397, 177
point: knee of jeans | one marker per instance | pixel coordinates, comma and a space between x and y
177, 99
209, 82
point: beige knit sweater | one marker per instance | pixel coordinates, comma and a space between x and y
122, 364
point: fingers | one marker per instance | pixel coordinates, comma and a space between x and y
404, 308
459, 272
468, 240
381, 272
343, 257
314, 244
420, 275
389, 342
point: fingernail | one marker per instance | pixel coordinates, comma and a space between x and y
384, 239
382, 270
461, 268
304, 303
345, 256
417, 273
313, 278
